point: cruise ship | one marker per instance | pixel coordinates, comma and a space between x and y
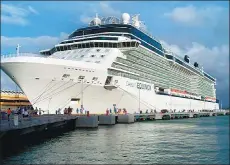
113, 63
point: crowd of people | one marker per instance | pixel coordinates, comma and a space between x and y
23, 112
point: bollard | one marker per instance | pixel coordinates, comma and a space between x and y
87, 113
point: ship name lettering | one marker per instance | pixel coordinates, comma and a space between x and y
143, 86
130, 84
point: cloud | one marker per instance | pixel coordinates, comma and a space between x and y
27, 43
103, 9
191, 15
108, 10
215, 61
85, 19
16, 15
32, 10
32, 43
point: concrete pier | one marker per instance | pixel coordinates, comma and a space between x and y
86, 122
35, 123
175, 115
128, 118
107, 119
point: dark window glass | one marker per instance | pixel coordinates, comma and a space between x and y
79, 46
100, 44
83, 45
169, 56
58, 48
96, 44
69, 48
91, 44
110, 45
87, 45
179, 62
128, 44
209, 77
133, 44
119, 45
114, 45
106, 44
123, 44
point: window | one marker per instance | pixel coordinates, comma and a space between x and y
106, 44
119, 45
92, 55
65, 75
100, 44
79, 46
87, 45
128, 44
83, 45
133, 44
96, 44
91, 44
95, 78
102, 56
82, 56
114, 45
123, 44
169, 56
110, 45
74, 46
58, 49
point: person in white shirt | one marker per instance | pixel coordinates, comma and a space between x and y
23, 111
26, 114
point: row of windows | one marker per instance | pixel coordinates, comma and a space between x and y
93, 38
92, 45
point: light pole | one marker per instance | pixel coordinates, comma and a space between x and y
49, 105
139, 91
81, 78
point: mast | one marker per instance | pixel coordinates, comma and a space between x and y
17, 48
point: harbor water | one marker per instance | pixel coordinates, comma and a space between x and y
184, 141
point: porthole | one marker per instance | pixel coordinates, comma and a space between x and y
92, 55
102, 56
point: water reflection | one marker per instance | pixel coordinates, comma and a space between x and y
197, 141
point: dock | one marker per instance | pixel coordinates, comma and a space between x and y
18, 129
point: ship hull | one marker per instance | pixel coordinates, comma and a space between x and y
43, 82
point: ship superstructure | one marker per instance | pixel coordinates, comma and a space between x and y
112, 63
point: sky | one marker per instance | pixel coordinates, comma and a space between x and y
199, 29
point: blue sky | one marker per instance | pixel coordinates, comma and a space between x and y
199, 29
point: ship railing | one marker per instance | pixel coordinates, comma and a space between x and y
22, 54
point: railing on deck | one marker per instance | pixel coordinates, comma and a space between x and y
23, 54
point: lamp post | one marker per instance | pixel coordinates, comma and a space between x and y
49, 105
81, 78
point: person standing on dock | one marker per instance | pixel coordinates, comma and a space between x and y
23, 110
59, 111
8, 113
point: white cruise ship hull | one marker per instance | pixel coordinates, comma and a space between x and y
41, 79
